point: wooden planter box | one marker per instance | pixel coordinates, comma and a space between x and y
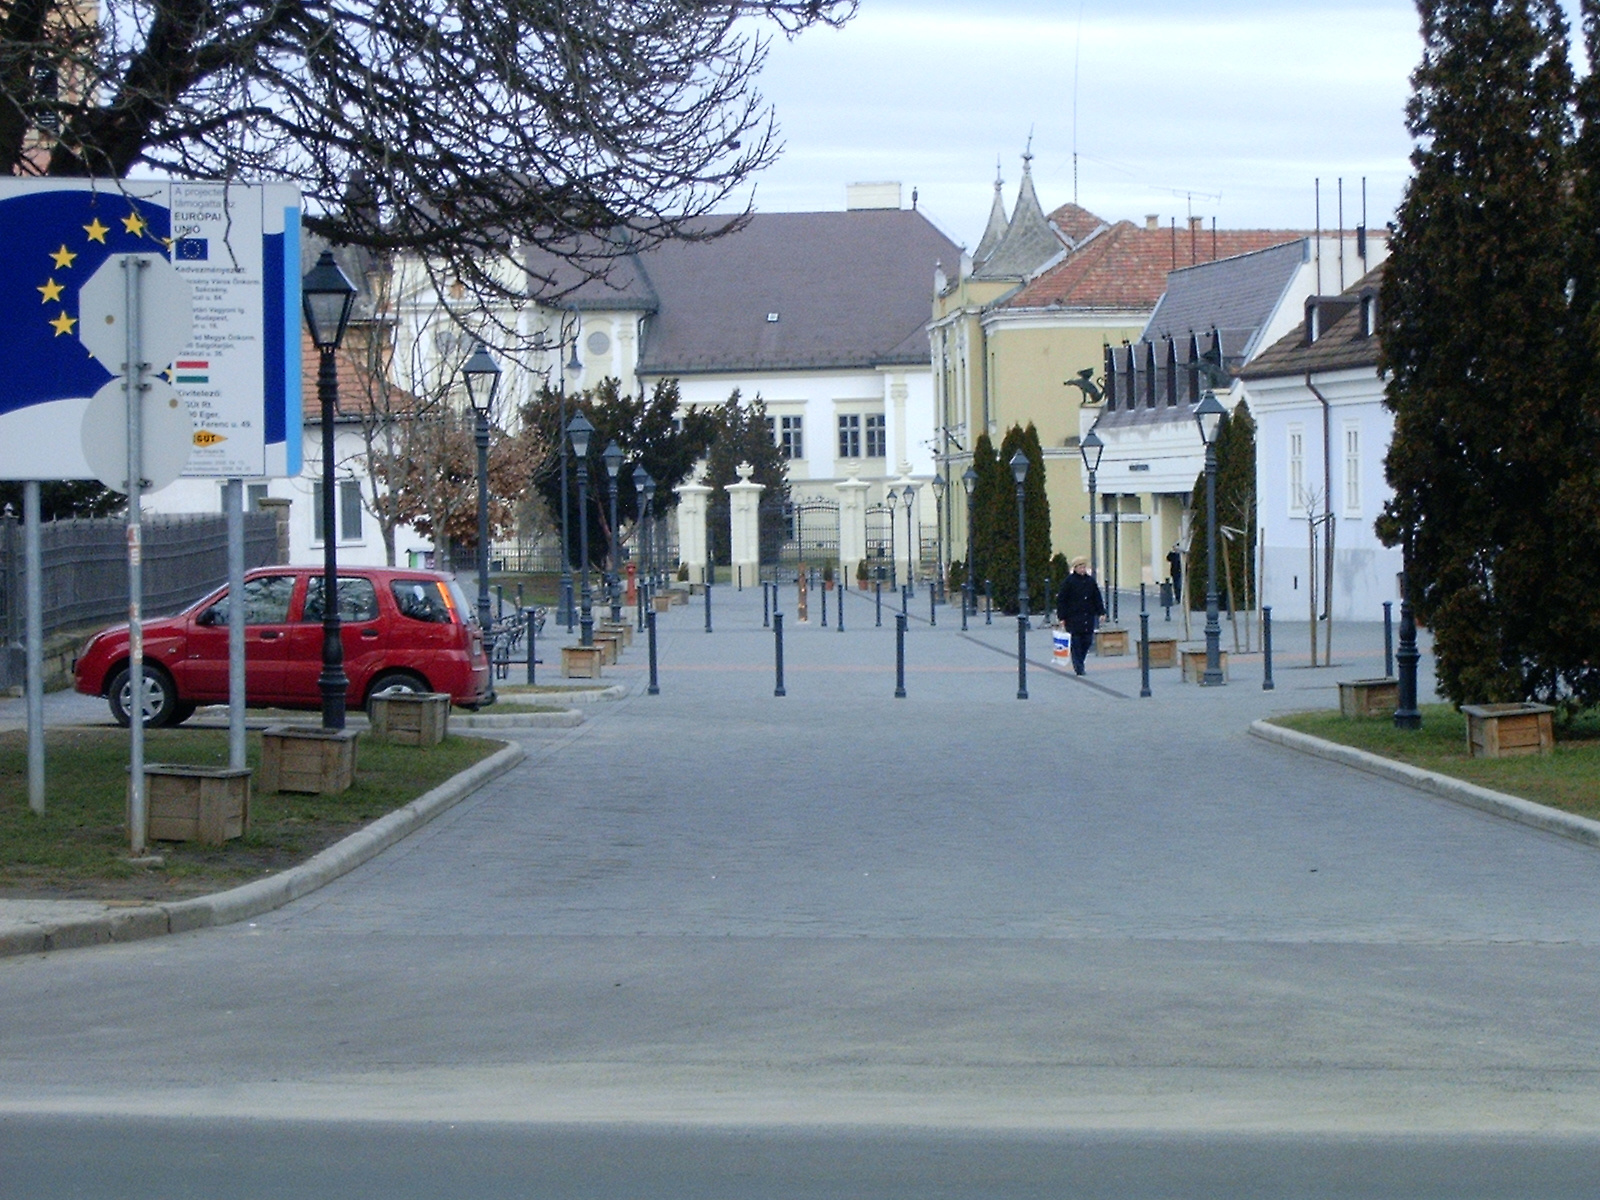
1110, 642
1163, 652
410, 718
1502, 730
1194, 663
195, 804
662, 601
621, 629
1369, 697
610, 645
678, 596
582, 662
306, 758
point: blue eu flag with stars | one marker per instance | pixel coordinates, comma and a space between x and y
54, 241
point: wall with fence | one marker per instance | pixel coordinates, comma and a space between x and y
84, 576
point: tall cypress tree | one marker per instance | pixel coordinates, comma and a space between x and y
1477, 325
1003, 522
1236, 516
981, 553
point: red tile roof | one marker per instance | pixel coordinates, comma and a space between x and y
1126, 266
1077, 223
357, 394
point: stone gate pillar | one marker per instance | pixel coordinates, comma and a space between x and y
692, 546
744, 517
852, 527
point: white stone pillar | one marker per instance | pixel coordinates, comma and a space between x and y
897, 402
852, 527
692, 547
744, 515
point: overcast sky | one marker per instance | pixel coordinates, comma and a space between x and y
1224, 108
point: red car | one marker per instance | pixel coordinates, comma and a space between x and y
403, 630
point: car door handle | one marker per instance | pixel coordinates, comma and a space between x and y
370, 634
269, 635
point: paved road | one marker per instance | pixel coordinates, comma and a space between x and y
1086, 919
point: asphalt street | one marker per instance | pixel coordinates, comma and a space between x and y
718, 942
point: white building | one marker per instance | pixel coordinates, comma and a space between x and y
1322, 432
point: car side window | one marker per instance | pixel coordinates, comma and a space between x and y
421, 600
266, 602
358, 600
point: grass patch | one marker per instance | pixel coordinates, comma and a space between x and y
1569, 779
79, 848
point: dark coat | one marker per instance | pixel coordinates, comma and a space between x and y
1079, 603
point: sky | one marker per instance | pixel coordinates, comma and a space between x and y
1218, 108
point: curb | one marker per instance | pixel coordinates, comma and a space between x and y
565, 719
264, 895
1499, 804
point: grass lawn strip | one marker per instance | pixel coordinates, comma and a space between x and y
79, 848
1568, 779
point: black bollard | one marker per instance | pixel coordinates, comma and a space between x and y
933, 608
844, 586
877, 597
1407, 715
708, 604
499, 603
1388, 639
1266, 648
988, 602
905, 600
777, 643
1144, 648
1022, 656
824, 603
766, 613
900, 656
533, 627
650, 626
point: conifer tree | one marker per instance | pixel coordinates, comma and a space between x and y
1494, 410
984, 498
1236, 516
1003, 522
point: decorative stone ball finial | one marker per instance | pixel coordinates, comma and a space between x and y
744, 470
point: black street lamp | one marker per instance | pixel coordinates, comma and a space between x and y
650, 529
1406, 714
1092, 448
641, 525
612, 457
1209, 416
482, 377
1019, 472
938, 532
328, 296
890, 501
564, 608
911, 541
969, 600
580, 431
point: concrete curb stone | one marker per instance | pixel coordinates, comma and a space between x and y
1499, 804
252, 899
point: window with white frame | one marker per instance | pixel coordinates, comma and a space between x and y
350, 508
1297, 469
849, 435
791, 437
1352, 469
877, 436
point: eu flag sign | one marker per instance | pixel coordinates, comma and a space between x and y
236, 246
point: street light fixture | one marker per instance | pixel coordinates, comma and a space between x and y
613, 460
939, 486
892, 499
328, 296
1208, 415
650, 504
969, 601
911, 546
1092, 448
580, 431
1019, 472
482, 377
564, 608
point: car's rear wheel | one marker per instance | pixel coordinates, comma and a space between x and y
395, 681
161, 703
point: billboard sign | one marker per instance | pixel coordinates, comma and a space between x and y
233, 281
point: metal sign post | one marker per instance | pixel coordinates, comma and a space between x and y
133, 386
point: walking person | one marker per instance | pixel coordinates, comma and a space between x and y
1175, 571
1079, 608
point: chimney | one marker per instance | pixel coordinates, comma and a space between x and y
859, 196
1152, 221
1196, 224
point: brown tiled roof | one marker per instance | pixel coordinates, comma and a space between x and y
356, 390
1077, 223
1340, 347
1126, 267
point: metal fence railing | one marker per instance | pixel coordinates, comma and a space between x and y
84, 575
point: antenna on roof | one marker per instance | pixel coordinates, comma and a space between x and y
1077, 48
1027, 152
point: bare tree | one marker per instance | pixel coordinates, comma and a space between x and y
459, 132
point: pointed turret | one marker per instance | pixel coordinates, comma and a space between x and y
1029, 240
996, 229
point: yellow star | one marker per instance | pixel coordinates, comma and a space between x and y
63, 324
63, 257
134, 224
51, 290
96, 231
